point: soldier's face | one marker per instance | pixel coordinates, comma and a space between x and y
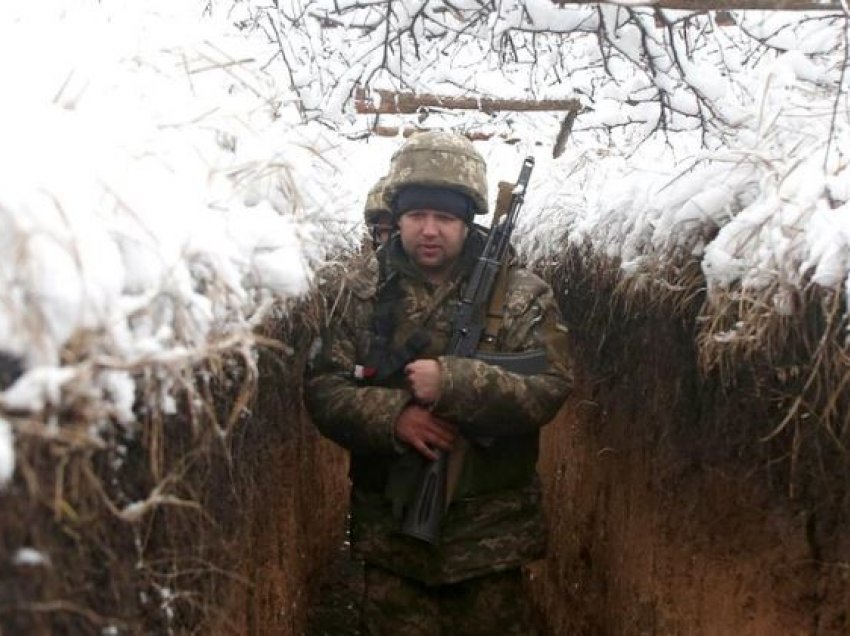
432, 239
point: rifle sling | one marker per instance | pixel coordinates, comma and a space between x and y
495, 310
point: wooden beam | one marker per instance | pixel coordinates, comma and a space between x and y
392, 103
722, 5
563, 134
406, 131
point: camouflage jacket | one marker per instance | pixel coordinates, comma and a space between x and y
495, 520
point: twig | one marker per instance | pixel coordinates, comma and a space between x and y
838, 92
292, 84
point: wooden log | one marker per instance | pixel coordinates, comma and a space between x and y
723, 5
406, 131
563, 134
392, 103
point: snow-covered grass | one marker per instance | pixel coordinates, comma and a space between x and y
159, 190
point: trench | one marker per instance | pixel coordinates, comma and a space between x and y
666, 512
662, 518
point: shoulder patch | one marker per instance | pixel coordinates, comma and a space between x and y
520, 278
523, 287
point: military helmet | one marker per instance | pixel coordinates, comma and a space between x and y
442, 160
375, 205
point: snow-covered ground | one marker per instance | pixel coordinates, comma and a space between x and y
170, 168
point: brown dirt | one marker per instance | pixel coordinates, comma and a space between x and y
336, 611
667, 516
297, 522
662, 523
268, 515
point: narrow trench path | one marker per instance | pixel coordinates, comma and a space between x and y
337, 608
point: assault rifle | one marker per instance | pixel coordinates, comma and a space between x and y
468, 326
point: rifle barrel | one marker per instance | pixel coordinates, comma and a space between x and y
425, 514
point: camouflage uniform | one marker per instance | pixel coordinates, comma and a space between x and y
494, 523
377, 214
375, 203
482, 606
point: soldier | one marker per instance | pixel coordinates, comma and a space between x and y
471, 582
377, 215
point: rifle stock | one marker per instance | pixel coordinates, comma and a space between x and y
425, 514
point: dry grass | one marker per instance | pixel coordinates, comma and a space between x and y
173, 523
140, 524
792, 366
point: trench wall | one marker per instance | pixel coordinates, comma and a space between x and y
668, 512
295, 521
255, 509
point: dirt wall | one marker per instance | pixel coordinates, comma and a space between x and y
669, 515
296, 521
251, 507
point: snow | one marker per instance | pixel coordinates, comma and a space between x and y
765, 204
148, 176
172, 169
41, 385
30, 557
7, 453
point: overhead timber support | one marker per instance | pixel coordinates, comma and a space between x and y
723, 5
393, 103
